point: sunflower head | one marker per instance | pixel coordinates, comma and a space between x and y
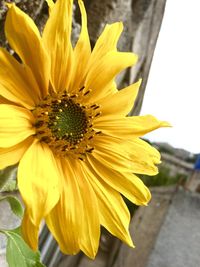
65, 124
64, 121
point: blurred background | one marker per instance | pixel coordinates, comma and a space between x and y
167, 232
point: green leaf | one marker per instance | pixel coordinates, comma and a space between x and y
17, 230
14, 204
10, 186
18, 253
8, 179
4, 177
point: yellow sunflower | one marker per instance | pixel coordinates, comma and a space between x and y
63, 119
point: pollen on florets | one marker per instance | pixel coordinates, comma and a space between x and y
66, 125
68, 120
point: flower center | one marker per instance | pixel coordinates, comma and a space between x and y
68, 121
66, 125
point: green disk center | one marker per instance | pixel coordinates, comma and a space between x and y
68, 121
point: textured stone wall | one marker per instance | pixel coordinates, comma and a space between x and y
141, 18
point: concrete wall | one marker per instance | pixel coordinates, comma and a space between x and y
178, 243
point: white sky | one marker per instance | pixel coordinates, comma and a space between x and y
173, 89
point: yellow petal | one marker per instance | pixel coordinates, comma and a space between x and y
50, 4
64, 220
117, 158
12, 155
114, 215
17, 82
129, 127
57, 40
113, 159
126, 183
63, 229
100, 78
106, 42
5, 101
16, 124
30, 231
135, 155
77, 210
122, 102
89, 241
82, 52
24, 38
38, 181
144, 155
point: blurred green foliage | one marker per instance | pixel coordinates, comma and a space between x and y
163, 178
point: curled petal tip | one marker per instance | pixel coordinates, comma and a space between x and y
50, 4
135, 57
121, 25
9, 5
130, 243
146, 204
165, 124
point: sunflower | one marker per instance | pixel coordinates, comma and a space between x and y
64, 121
